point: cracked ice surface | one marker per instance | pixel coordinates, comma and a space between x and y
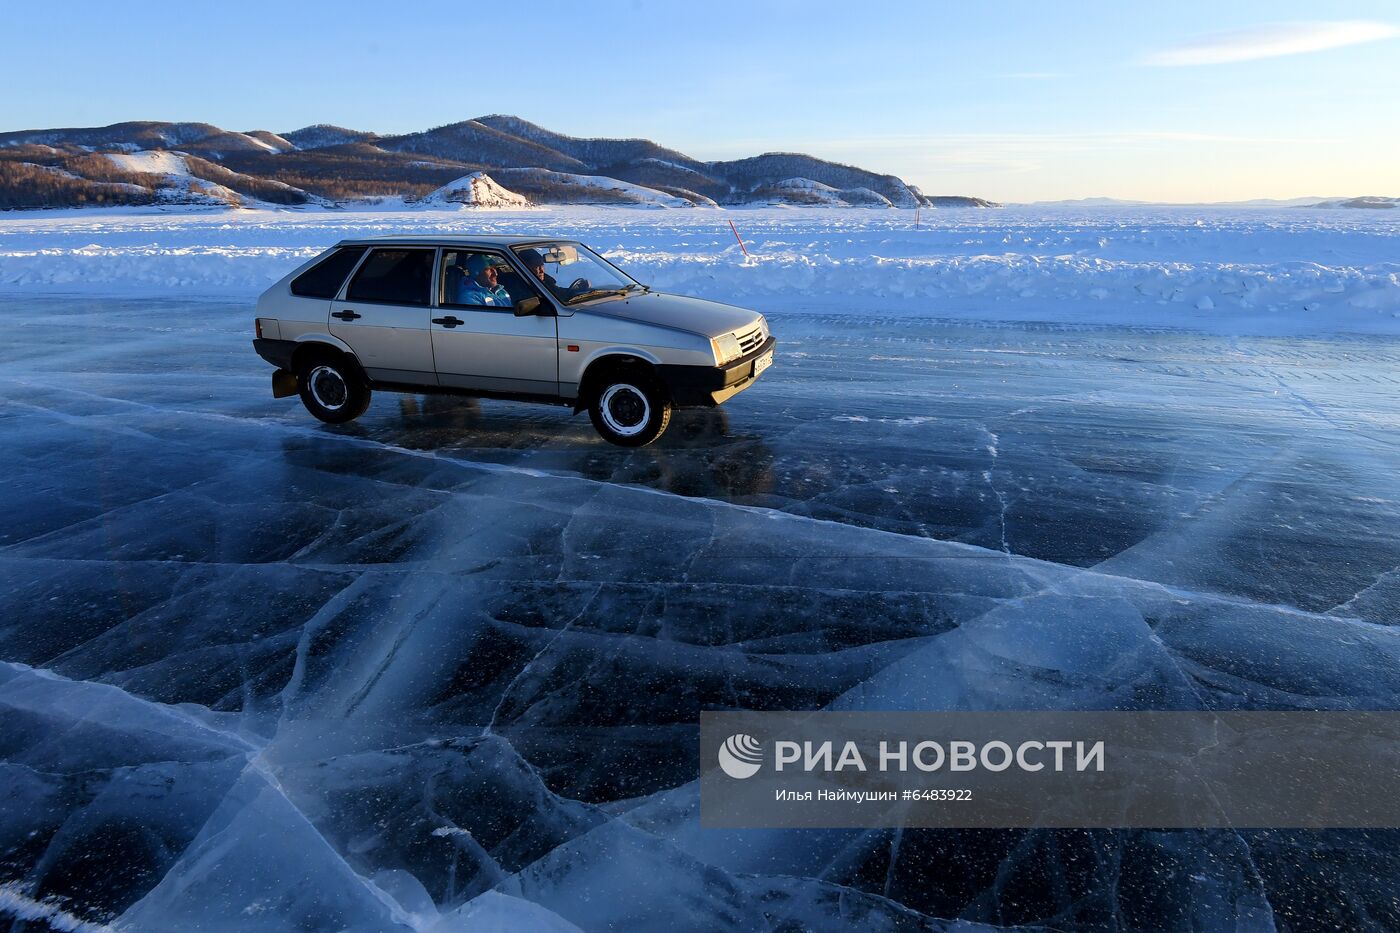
442, 668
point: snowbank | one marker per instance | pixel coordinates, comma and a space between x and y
1283, 297
1240, 271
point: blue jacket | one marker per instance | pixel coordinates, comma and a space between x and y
470, 292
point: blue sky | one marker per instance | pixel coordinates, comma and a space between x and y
1012, 101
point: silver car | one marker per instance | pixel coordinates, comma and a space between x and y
521, 318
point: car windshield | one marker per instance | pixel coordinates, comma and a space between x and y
574, 273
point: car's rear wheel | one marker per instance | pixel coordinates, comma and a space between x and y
630, 410
331, 388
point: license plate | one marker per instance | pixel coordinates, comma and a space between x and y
762, 363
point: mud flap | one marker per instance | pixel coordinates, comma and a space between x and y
283, 384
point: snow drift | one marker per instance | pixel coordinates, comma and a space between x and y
1250, 271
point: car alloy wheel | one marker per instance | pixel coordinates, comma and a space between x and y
328, 387
625, 409
631, 412
332, 389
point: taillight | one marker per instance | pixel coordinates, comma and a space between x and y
257, 326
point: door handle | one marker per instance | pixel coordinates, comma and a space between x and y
346, 315
448, 321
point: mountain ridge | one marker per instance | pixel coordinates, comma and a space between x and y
329, 164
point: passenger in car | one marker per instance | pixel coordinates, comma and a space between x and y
480, 286
454, 276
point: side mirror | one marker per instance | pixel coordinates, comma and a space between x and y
526, 307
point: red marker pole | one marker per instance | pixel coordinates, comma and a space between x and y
739, 238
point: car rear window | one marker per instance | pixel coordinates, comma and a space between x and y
324, 279
397, 276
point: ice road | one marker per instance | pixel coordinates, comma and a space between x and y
441, 669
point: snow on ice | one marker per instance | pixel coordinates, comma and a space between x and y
1222, 270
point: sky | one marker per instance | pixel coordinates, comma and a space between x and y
1013, 101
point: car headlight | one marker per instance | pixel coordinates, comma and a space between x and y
726, 348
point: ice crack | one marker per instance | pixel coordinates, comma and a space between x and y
988, 475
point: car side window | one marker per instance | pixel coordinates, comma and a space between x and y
479, 280
394, 276
324, 279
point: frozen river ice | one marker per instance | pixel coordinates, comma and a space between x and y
443, 667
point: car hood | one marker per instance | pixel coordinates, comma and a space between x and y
708, 318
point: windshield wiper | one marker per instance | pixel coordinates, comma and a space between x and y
596, 293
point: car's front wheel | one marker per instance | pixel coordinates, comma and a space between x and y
331, 388
630, 411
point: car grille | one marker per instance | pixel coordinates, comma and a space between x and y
751, 341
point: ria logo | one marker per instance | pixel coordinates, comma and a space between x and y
741, 756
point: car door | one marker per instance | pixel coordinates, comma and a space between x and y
485, 346
384, 314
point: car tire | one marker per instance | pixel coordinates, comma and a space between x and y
629, 410
331, 388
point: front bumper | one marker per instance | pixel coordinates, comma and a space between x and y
706, 386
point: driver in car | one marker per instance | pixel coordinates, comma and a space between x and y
534, 261
480, 285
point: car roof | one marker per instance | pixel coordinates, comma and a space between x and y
451, 239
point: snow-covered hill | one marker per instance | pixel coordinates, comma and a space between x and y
1371, 203
323, 135
475, 190
804, 192
180, 185
569, 188
187, 179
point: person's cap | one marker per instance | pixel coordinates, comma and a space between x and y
476, 264
531, 258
